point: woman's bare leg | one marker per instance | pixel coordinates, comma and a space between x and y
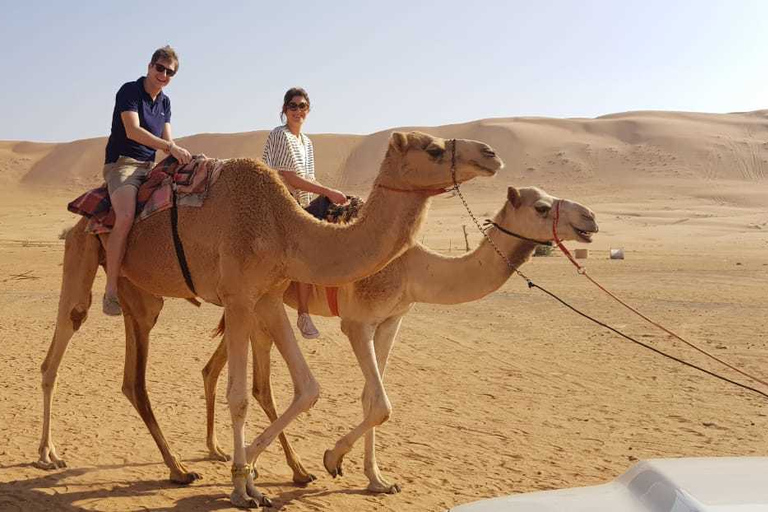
304, 322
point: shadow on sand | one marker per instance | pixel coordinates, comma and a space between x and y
51, 490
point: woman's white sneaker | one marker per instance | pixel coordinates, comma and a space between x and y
307, 327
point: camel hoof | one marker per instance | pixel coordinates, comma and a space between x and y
218, 454
303, 478
185, 478
334, 469
384, 488
49, 465
240, 501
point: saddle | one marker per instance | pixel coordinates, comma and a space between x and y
191, 183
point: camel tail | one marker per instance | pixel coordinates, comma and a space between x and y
220, 328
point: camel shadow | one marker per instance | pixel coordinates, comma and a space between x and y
306, 494
52, 491
41, 493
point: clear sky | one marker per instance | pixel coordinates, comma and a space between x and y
372, 65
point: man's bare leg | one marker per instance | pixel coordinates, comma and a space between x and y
124, 204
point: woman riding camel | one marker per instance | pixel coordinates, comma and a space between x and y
289, 151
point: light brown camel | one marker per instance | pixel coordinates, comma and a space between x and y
371, 311
243, 246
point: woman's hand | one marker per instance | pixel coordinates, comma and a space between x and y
335, 196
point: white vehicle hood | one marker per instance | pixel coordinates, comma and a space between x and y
727, 484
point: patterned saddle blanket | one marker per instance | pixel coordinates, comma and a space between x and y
343, 213
191, 183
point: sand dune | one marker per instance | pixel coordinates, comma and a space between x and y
629, 148
511, 393
17, 158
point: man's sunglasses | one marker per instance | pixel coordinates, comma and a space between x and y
162, 69
293, 107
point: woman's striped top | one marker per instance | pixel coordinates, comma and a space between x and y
286, 152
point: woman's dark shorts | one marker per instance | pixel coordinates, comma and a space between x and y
318, 208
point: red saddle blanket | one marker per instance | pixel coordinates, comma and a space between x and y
191, 182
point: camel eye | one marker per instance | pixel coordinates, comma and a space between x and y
542, 209
435, 151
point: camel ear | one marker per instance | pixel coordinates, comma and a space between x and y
399, 141
513, 196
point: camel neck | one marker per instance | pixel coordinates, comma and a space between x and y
386, 227
437, 279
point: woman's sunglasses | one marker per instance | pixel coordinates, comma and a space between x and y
293, 107
162, 69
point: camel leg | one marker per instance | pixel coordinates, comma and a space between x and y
261, 344
383, 340
81, 261
211, 373
305, 388
262, 391
140, 312
361, 338
238, 313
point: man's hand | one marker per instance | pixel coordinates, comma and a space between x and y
335, 196
180, 154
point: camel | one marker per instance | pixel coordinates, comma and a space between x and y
244, 246
372, 309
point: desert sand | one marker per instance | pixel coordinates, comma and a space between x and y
509, 394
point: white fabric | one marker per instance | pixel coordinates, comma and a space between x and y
286, 152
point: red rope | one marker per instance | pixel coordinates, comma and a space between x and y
429, 192
332, 296
583, 271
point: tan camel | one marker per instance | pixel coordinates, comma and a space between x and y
244, 245
371, 311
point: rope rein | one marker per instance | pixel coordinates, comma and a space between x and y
477, 222
583, 271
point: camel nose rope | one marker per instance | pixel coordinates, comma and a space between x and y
583, 271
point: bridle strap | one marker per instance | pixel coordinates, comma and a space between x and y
559, 243
429, 192
489, 222
177, 245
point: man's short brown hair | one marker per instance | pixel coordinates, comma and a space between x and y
165, 53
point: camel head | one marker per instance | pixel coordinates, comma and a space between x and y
529, 212
417, 161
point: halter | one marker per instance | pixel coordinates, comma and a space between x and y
511, 266
489, 222
559, 243
430, 192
